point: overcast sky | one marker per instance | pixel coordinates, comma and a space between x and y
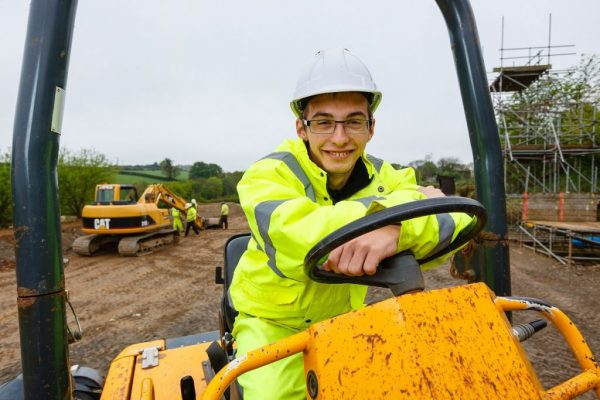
211, 80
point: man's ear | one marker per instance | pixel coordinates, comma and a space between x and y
301, 130
371, 128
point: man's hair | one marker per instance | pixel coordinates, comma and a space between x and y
302, 104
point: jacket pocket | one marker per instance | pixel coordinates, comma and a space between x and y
270, 295
269, 302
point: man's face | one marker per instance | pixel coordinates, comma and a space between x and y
336, 153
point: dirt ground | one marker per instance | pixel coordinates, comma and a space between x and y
170, 293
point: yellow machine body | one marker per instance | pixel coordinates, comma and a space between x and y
453, 343
127, 379
147, 217
443, 344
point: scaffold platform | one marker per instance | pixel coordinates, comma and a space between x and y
566, 242
516, 79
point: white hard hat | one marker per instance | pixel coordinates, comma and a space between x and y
187, 205
194, 201
334, 70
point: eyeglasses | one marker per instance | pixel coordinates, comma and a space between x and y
327, 126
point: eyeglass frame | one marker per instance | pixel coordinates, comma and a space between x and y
307, 123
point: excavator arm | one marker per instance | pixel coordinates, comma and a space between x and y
158, 193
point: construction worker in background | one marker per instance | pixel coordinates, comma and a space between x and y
194, 204
190, 219
224, 215
177, 224
305, 190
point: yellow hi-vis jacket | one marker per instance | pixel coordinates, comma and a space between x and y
285, 200
191, 214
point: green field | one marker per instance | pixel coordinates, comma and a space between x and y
146, 176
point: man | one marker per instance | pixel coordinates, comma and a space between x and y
224, 214
177, 224
306, 189
190, 218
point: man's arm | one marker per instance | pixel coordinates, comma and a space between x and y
363, 254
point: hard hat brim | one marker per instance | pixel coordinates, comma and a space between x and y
297, 108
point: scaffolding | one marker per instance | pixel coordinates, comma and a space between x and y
550, 142
567, 243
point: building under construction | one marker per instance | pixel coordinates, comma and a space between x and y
550, 134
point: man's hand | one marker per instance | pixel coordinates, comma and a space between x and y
363, 254
430, 191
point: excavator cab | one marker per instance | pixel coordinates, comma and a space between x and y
115, 194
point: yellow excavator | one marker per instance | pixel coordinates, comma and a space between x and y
118, 218
452, 343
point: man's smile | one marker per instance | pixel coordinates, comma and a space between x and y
338, 154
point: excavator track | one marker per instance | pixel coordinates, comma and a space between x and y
89, 245
135, 245
138, 245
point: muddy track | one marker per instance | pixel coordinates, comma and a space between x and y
170, 293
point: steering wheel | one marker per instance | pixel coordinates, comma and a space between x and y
401, 272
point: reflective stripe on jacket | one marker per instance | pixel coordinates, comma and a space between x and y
285, 200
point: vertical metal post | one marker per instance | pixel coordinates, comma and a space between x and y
40, 272
491, 261
549, 35
544, 161
569, 239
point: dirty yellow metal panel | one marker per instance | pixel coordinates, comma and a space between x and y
442, 344
118, 380
120, 374
173, 364
135, 349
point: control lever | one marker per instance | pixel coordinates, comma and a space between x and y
188, 392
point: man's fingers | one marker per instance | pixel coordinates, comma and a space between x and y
355, 266
370, 264
430, 191
345, 259
333, 260
362, 255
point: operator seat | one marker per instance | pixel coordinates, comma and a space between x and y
234, 248
219, 357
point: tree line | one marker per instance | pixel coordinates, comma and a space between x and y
206, 182
80, 172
